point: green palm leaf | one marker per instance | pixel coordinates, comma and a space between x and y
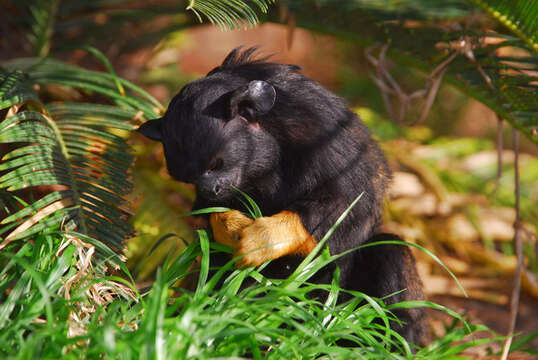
43, 13
520, 16
424, 45
76, 15
231, 14
50, 71
78, 150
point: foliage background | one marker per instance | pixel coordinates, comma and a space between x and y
447, 196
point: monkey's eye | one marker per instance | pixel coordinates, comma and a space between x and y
215, 164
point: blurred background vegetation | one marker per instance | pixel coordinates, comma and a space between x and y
442, 84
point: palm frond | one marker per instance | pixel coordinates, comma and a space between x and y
509, 87
231, 14
78, 150
50, 71
77, 15
43, 13
520, 16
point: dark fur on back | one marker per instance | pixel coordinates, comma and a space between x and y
308, 154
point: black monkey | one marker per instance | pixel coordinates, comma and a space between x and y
304, 157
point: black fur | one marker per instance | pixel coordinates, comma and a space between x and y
302, 150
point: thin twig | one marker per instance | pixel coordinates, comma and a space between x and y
444, 64
436, 82
514, 304
385, 90
390, 87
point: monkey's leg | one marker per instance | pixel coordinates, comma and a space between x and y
263, 239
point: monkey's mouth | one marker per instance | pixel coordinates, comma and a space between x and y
236, 179
233, 184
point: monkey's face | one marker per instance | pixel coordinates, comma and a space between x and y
212, 136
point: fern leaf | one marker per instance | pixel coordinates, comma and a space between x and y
520, 16
423, 45
79, 149
230, 14
44, 13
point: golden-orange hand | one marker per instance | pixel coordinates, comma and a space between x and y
263, 239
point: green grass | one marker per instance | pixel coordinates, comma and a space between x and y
55, 305
57, 301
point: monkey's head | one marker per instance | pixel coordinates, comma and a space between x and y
243, 123
212, 136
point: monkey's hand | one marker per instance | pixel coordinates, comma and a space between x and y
263, 239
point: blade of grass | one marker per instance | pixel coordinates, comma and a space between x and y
254, 208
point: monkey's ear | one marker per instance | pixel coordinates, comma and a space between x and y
152, 129
252, 100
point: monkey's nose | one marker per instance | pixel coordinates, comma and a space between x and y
211, 187
217, 189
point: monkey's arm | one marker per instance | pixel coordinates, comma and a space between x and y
263, 239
